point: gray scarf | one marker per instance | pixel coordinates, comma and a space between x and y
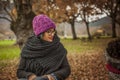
36, 47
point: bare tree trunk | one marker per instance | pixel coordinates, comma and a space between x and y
88, 31
73, 30
22, 25
22, 28
113, 28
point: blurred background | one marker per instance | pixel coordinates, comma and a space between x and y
84, 26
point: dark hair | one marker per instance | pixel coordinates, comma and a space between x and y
40, 36
113, 48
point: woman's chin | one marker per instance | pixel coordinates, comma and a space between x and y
50, 40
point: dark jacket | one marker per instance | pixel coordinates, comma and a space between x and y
41, 58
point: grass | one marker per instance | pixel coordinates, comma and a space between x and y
81, 65
78, 46
8, 50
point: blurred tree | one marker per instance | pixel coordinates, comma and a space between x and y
21, 19
69, 12
87, 9
118, 13
112, 9
59, 11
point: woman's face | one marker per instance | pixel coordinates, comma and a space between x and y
49, 35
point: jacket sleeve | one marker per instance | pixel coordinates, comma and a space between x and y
21, 73
64, 70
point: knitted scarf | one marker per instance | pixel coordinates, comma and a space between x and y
112, 65
35, 48
48, 54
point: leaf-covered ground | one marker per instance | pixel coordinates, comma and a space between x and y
83, 67
88, 67
86, 59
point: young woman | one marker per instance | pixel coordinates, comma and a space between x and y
113, 59
43, 57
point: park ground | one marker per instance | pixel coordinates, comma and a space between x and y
86, 59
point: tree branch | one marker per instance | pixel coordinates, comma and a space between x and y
116, 7
8, 13
5, 18
77, 15
15, 4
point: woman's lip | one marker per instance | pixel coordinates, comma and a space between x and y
50, 37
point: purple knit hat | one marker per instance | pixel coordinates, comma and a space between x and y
42, 23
